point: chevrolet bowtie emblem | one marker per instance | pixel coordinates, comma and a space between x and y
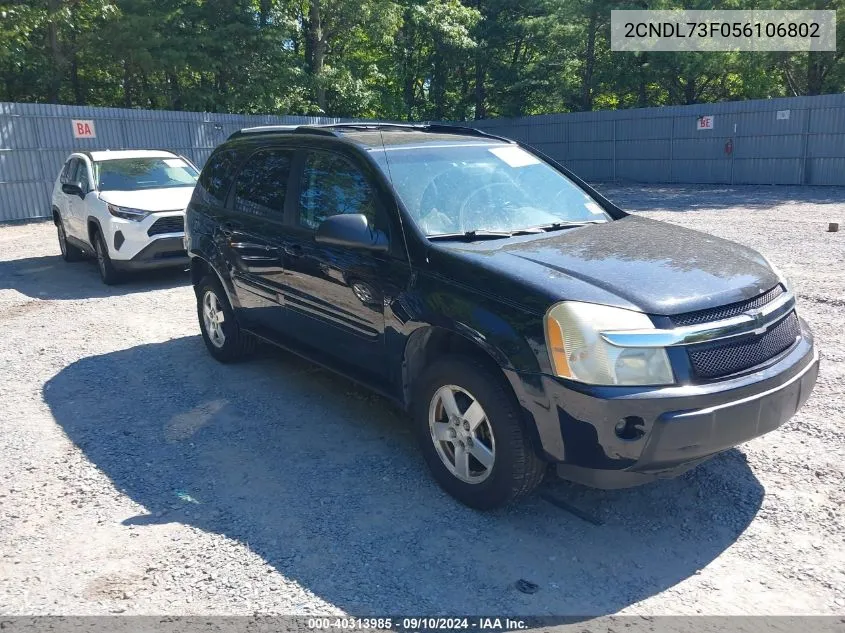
757, 319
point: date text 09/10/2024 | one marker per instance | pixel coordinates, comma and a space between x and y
421, 623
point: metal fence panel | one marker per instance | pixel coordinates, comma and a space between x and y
767, 171
787, 146
590, 150
35, 140
698, 171
20, 166
693, 149
595, 170
825, 171
643, 149
24, 200
640, 170
795, 140
825, 145
17, 132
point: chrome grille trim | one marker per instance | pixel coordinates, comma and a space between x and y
719, 359
729, 310
754, 321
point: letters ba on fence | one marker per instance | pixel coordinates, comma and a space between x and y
692, 30
83, 128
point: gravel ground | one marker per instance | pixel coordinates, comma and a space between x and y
138, 476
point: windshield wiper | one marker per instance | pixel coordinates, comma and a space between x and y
557, 226
481, 234
471, 235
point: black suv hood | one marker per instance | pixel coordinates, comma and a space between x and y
634, 262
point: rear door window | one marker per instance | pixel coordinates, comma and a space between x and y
216, 177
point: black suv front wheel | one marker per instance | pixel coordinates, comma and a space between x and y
220, 330
468, 424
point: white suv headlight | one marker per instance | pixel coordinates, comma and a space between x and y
126, 213
577, 350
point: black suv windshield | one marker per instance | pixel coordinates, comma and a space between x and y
455, 188
134, 174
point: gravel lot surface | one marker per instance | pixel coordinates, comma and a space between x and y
139, 476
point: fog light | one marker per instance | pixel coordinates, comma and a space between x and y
630, 428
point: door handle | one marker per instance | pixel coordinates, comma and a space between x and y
294, 250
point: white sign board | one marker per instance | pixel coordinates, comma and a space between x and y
83, 129
783, 115
705, 122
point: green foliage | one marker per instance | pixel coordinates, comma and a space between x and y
395, 59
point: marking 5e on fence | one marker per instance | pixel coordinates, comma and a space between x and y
748, 30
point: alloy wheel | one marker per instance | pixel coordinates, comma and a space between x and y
62, 239
101, 257
462, 434
213, 318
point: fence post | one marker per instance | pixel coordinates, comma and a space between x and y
671, 146
803, 176
614, 150
45, 177
733, 153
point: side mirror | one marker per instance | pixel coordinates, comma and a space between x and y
73, 189
352, 231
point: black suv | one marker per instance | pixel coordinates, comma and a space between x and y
523, 319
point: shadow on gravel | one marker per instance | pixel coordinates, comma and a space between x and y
696, 198
323, 481
51, 277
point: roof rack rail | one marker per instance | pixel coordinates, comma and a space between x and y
290, 129
443, 128
328, 129
464, 129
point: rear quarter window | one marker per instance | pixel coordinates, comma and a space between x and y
216, 177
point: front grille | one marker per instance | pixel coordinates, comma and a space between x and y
718, 359
727, 311
170, 224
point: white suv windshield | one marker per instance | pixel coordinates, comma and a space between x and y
134, 174
457, 188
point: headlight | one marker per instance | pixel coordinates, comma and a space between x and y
577, 350
126, 213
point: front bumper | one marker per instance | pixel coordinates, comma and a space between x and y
131, 244
165, 252
678, 427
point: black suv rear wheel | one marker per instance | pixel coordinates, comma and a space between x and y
468, 424
220, 330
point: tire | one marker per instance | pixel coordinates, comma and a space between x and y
226, 342
516, 468
108, 273
70, 253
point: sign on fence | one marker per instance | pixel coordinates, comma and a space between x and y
83, 128
705, 122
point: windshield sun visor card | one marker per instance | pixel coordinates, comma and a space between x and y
514, 156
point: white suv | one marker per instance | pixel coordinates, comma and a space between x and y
125, 207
